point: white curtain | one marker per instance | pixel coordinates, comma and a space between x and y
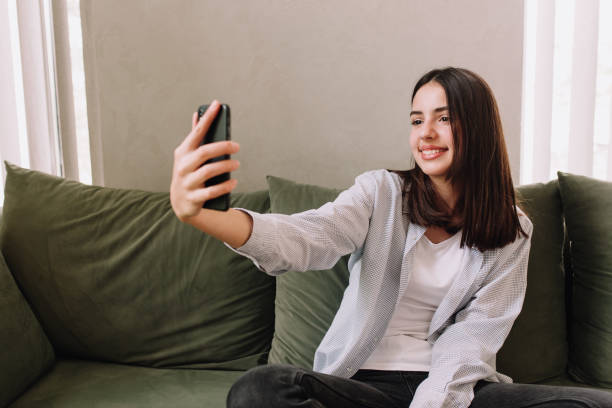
29, 135
42, 70
567, 89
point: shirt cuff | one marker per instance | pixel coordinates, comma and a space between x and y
259, 248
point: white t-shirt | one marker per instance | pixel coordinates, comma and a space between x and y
404, 346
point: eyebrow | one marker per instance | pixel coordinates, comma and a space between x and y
440, 109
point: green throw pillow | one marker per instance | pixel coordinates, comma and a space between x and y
306, 302
113, 275
25, 351
536, 348
587, 206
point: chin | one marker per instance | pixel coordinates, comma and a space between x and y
435, 172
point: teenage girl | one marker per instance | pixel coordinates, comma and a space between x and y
437, 269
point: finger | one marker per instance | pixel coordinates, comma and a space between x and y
208, 193
197, 134
202, 154
204, 173
194, 120
216, 149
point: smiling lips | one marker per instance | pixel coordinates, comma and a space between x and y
430, 152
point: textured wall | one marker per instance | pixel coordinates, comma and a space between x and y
319, 90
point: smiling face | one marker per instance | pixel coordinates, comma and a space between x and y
431, 137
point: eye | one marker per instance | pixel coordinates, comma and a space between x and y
445, 119
416, 122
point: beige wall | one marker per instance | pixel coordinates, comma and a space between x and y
319, 90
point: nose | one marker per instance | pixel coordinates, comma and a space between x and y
427, 131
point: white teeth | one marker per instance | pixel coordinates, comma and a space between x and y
430, 152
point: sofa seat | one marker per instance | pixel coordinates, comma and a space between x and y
79, 383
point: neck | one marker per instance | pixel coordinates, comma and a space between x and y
446, 192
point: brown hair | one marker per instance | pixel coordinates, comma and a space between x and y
480, 170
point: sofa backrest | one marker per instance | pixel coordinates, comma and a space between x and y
113, 275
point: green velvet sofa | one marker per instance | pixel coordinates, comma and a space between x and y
107, 300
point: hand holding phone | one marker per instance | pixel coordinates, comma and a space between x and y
193, 168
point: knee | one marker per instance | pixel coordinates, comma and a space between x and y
600, 398
260, 386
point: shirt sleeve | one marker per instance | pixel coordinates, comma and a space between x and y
314, 239
465, 352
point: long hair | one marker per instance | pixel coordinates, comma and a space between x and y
479, 171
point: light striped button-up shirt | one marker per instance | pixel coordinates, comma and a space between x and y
366, 221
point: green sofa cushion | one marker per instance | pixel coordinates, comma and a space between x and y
25, 351
536, 348
113, 275
74, 383
306, 302
587, 206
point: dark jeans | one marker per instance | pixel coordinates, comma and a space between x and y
287, 386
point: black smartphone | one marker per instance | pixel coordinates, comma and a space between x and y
219, 130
